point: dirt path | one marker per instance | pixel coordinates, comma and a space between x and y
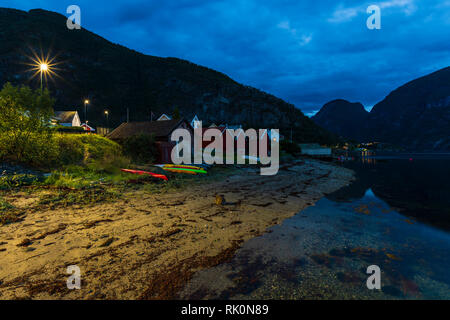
147, 246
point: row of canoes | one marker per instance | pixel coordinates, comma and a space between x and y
188, 169
182, 168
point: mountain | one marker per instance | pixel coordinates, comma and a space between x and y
116, 78
415, 116
342, 118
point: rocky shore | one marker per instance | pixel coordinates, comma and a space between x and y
147, 246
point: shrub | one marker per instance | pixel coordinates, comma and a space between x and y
97, 147
70, 149
95, 152
63, 129
24, 131
140, 148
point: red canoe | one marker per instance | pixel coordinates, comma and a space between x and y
140, 172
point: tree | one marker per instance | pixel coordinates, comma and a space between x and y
24, 123
140, 148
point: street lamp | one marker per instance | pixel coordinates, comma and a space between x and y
43, 68
86, 102
107, 118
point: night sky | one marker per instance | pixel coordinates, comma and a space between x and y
305, 52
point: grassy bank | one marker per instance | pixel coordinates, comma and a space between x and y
85, 186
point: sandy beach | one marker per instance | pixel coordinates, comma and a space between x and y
147, 246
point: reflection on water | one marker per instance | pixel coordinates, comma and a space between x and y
413, 185
390, 217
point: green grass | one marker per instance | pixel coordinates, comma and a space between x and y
17, 180
84, 186
77, 177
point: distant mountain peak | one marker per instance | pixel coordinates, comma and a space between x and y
342, 117
341, 106
416, 115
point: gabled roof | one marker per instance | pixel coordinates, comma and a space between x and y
65, 116
194, 122
164, 117
156, 128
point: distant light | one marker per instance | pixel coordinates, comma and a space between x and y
86, 101
44, 67
106, 112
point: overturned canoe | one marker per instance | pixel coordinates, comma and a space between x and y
140, 172
188, 171
184, 170
181, 166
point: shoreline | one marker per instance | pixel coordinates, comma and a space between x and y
147, 246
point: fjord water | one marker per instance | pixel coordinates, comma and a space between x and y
396, 215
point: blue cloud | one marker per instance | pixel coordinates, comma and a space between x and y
304, 52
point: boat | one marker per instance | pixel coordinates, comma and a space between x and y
184, 170
140, 172
184, 166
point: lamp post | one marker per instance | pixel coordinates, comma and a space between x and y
86, 102
43, 67
107, 118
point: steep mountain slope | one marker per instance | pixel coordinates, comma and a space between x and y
342, 118
415, 115
117, 78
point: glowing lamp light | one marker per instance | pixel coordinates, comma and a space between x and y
43, 67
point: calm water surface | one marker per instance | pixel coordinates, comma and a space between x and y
395, 215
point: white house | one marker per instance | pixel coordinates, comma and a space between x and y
67, 118
164, 117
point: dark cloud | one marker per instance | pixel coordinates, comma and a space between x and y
304, 52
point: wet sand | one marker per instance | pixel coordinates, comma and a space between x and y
148, 246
